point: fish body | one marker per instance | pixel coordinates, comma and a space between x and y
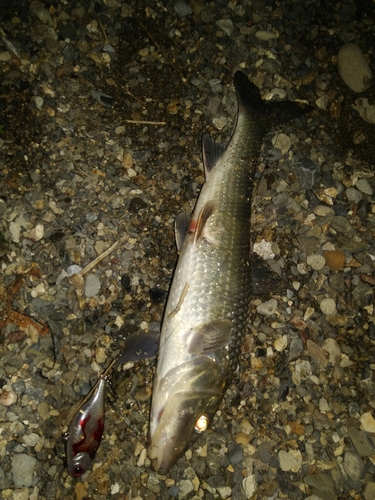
207, 308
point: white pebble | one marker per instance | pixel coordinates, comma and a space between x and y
250, 486
287, 461
73, 269
92, 285
308, 313
38, 101
316, 261
328, 307
15, 231
264, 249
267, 308
281, 343
367, 422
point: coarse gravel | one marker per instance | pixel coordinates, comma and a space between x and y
103, 106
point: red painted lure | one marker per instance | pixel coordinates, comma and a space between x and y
86, 427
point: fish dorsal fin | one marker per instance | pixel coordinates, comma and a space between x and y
181, 226
209, 337
212, 152
203, 216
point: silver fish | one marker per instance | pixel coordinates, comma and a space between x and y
207, 308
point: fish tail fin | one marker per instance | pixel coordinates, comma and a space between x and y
270, 114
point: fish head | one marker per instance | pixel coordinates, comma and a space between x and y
184, 403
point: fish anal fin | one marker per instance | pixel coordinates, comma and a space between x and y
212, 152
209, 337
203, 217
181, 226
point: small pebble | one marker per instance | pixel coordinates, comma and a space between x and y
7, 396
265, 35
323, 210
365, 109
250, 486
287, 461
369, 493
364, 186
353, 67
281, 343
353, 195
317, 354
267, 308
281, 141
361, 443
92, 285
296, 348
306, 172
226, 25
334, 259
182, 9
316, 261
331, 346
353, 465
23, 469
367, 422
328, 307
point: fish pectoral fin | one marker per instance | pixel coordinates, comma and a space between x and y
181, 226
209, 337
203, 217
143, 345
212, 152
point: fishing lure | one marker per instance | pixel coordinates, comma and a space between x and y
86, 427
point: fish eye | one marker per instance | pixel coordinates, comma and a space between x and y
201, 424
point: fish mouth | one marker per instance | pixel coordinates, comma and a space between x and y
184, 415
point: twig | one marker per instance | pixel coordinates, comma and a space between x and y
80, 170
132, 95
100, 257
144, 122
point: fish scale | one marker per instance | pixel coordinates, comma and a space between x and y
207, 308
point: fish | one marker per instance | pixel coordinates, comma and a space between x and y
208, 303
86, 427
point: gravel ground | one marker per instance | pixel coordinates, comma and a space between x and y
103, 106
